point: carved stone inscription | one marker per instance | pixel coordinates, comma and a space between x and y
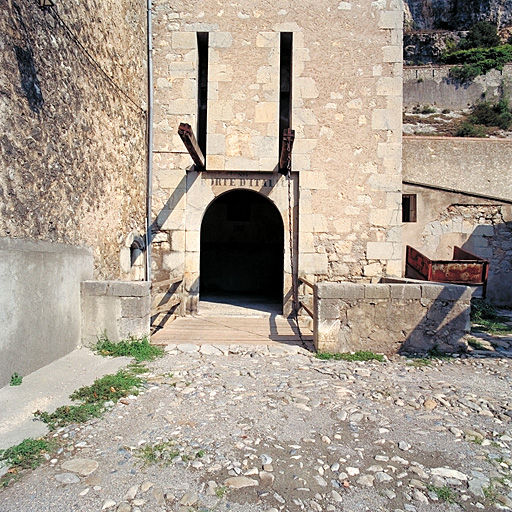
248, 180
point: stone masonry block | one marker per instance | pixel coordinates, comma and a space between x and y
133, 327
384, 119
377, 291
266, 112
184, 40
392, 54
389, 86
328, 309
446, 292
345, 291
94, 287
314, 263
405, 291
391, 19
220, 39
135, 307
379, 250
128, 288
267, 40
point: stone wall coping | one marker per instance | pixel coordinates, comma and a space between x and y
394, 290
116, 288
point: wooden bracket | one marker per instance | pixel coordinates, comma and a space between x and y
189, 139
285, 160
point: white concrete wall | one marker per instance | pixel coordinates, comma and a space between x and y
39, 302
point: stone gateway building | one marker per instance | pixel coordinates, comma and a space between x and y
292, 167
241, 73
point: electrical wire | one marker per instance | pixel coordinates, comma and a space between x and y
75, 38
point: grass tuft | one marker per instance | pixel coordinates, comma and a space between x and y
165, 453
16, 379
139, 349
69, 414
360, 355
93, 398
443, 493
26, 455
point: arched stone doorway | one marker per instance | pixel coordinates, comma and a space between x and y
242, 247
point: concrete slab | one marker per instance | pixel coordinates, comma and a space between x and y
46, 389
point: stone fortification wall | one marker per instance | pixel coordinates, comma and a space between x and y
351, 317
475, 166
463, 198
432, 85
479, 225
346, 112
72, 124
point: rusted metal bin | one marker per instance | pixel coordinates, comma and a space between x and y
465, 268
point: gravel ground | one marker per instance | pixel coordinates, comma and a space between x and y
265, 430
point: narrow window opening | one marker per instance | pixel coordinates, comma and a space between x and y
285, 84
202, 89
409, 209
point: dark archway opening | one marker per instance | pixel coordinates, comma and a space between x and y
242, 248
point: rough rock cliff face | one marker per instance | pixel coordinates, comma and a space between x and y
456, 14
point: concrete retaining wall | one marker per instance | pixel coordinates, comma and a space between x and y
39, 302
391, 317
115, 309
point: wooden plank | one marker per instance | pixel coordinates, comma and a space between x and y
306, 282
189, 139
167, 282
165, 307
308, 311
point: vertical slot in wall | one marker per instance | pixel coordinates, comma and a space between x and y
202, 89
285, 84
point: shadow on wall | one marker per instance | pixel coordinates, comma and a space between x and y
494, 243
30, 84
444, 326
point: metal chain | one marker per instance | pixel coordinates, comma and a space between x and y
295, 292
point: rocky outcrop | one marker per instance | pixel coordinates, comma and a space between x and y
456, 14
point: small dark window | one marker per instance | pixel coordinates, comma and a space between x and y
202, 88
409, 210
285, 81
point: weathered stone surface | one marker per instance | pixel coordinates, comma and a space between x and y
83, 467
239, 482
67, 179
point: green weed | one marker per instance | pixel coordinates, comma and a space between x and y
26, 455
427, 109
360, 355
420, 361
16, 379
69, 414
93, 398
165, 452
109, 387
476, 344
139, 349
221, 491
443, 493
487, 319
468, 129
491, 493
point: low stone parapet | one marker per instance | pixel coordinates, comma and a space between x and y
389, 318
115, 309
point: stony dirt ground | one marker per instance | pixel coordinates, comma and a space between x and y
266, 430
